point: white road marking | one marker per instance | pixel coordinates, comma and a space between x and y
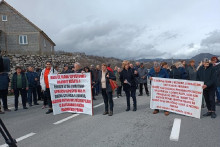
174, 136
20, 138
98, 105
65, 119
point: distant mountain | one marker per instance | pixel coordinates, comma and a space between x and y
198, 58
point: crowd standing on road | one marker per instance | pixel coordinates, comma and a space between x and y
33, 85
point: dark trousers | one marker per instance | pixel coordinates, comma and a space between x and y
107, 96
48, 97
130, 94
119, 90
39, 93
97, 88
141, 88
32, 92
209, 95
93, 92
3, 96
23, 93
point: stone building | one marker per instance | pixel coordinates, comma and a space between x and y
20, 35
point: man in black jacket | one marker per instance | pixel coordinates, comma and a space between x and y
206, 73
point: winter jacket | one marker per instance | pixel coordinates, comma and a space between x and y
111, 76
42, 82
208, 76
192, 73
130, 77
183, 73
24, 81
32, 83
162, 73
142, 72
4, 80
175, 73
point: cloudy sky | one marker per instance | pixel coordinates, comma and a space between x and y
129, 29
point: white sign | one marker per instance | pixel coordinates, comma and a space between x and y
71, 93
178, 96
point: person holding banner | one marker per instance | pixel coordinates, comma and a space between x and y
104, 78
127, 77
44, 82
157, 71
206, 73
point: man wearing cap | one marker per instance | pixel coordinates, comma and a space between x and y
159, 72
65, 69
207, 74
142, 73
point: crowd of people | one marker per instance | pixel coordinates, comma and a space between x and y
33, 85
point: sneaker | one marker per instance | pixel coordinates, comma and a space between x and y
128, 109
110, 114
8, 110
49, 111
213, 115
25, 108
166, 113
105, 113
207, 114
156, 111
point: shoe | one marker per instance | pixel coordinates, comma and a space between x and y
36, 104
106, 112
25, 108
1, 112
44, 106
156, 111
213, 115
94, 99
8, 110
148, 94
49, 111
166, 113
135, 109
110, 114
16, 109
207, 114
128, 109
140, 95
120, 95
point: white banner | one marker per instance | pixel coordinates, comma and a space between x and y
178, 96
71, 93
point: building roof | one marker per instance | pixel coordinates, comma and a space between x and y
42, 32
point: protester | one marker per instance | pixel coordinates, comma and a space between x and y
65, 69
87, 70
165, 66
4, 80
127, 77
191, 70
184, 64
106, 89
142, 73
97, 73
44, 81
115, 70
109, 68
32, 78
119, 89
159, 72
39, 92
137, 65
131, 66
206, 73
182, 68
19, 84
77, 68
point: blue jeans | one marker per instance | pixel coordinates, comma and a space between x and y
32, 91
218, 94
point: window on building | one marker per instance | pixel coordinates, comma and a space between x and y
4, 18
45, 45
23, 39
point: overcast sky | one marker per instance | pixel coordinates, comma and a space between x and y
128, 28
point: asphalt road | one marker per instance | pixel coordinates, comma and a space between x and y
123, 129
